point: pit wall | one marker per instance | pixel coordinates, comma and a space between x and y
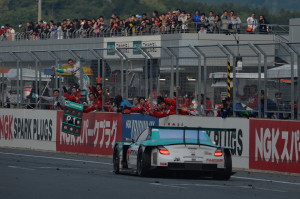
271, 145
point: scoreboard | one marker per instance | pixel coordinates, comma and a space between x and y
72, 118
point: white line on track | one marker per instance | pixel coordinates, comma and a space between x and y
164, 185
55, 158
264, 189
265, 180
200, 185
23, 168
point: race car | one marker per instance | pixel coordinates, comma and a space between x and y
174, 148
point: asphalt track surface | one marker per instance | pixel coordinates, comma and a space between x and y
34, 174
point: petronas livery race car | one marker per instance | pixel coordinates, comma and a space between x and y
174, 148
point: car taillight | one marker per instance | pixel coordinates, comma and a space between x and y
162, 150
218, 153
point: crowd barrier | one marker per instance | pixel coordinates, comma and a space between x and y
271, 145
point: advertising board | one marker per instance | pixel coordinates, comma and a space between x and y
99, 133
25, 128
275, 145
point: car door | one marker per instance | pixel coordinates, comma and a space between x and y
132, 152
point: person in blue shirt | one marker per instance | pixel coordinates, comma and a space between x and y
196, 18
227, 109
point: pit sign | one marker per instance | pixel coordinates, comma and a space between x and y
72, 118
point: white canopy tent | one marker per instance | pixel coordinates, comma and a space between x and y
283, 71
27, 75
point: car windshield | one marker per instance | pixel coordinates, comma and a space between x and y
190, 134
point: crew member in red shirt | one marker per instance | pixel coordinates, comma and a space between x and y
162, 110
97, 90
142, 107
96, 104
74, 97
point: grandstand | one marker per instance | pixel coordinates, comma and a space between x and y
165, 62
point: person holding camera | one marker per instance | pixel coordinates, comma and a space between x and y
57, 101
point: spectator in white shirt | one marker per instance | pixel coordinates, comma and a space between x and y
252, 23
236, 23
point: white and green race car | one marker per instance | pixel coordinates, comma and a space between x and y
174, 148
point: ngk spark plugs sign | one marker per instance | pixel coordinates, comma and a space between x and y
99, 133
275, 145
28, 128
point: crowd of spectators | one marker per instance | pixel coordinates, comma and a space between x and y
136, 24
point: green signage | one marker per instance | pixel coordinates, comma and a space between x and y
112, 46
72, 118
136, 44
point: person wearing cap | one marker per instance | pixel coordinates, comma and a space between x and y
76, 24
21, 28
175, 17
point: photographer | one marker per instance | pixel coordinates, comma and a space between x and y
57, 101
226, 109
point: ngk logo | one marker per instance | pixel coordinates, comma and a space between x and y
275, 145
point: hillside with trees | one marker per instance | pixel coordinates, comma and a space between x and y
271, 5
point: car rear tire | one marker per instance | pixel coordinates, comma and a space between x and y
116, 160
143, 162
226, 173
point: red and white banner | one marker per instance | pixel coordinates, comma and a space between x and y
99, 133
275, 145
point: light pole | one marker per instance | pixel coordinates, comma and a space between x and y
39, 10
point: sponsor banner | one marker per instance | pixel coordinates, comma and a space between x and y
240, 142
135, 124
151, 43
275, 145
72, 118
28, 128
99, 133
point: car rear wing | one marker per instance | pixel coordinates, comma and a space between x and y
219, 136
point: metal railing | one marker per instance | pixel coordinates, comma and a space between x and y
144, 30
263, 76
